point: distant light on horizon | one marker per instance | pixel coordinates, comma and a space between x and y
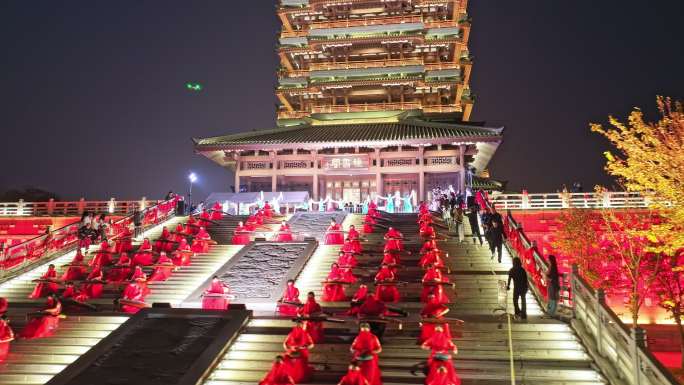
192, 177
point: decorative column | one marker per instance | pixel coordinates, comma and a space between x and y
378, 174
315, 185
421, 173
237, 180
274, 182
461, 161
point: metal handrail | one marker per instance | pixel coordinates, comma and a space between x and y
24, 256
561, 200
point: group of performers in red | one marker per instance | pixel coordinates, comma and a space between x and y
371, 310
243, 232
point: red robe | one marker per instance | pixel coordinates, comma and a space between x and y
278, 375
449, 377
433, 275
357, 299
144, 255
347, 260
102, 257
202, 238
315, 328
42, 289
434, 310
291, 294
241, 236
333, 235
393, 240
297, 343
214, 297
428, 245
132, 292
121, 270
74, 273
284, 234
268, 212
217, 212
190, 226
439, 343
386, 292
333, 292
75, 294
181, 257
354, 377
124, 243
427, 231
363, 349
93, 290
6, 336
160, 245
162, 273
46, 324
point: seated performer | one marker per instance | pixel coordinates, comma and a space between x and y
373, 310
45, 322
429, 245
181, 257
251, 223
365, 350
393, 240
216, 212
204, 239
440, 371
333, 235
163, 268
134, 295
289, 303
179, 233
204, 219
312, 309
346, 259
124, 242
333, 289
426, 231
241, 236
353, 237
354, 375
103, 255
357, 299
6, 336
121, 270
165, 241
432, 278
439, 343
433, 258
431, 314
77, 268
268, 212
72, 293
216, 296
191, 226
297, 345
391, 259
284, 233
47, 284
386, 285
93, 284
144, 255
279, 374
368, 222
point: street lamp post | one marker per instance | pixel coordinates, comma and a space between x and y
192, 178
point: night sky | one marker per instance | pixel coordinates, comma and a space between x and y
93, 103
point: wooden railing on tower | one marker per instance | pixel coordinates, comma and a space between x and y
72, 208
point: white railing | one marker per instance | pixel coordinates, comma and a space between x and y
529, 201
72, 208
619, 351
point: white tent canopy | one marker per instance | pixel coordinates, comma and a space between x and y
231, 201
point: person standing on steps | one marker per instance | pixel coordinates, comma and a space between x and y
553, 283
519, 277
495, 236
474, 224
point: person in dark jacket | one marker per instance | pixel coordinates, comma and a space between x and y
519, 277
553, 280
474, 225
495, 237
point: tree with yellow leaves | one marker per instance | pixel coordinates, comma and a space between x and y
650, 160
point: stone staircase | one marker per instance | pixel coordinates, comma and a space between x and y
545, 351
223, 231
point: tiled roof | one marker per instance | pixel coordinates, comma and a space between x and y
364, 132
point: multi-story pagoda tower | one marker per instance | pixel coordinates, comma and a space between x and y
372, 58
374, 100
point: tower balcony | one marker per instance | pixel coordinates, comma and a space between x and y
370, 107
366, 64
366, 21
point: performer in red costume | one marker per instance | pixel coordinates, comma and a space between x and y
48, 284
241, 236
179, 233
432, 279
268, 212
163, 269
297, 345
144, 255
45, 322
165, 241
333, 235
391, 259
357, 299
289, 302
103, 255
386, 285
429, 245
133, 292
204, 239
441, 371
77, 268
353, 237
121, 270
433, 311
279, 374
439, 343
354, 375
191, 226
284, 233
181, 257
346, 259
312, 309
334, 291
124, 242
372, 308
368, 222
216, 296
4, 304
216, 212
93, 286
393, 240
365, 349
72, 292
431, 258
6, 336
426, 231
204, 218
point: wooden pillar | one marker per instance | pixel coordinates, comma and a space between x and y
274, 181
315, 185
237, 180
378, 174
421, 173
